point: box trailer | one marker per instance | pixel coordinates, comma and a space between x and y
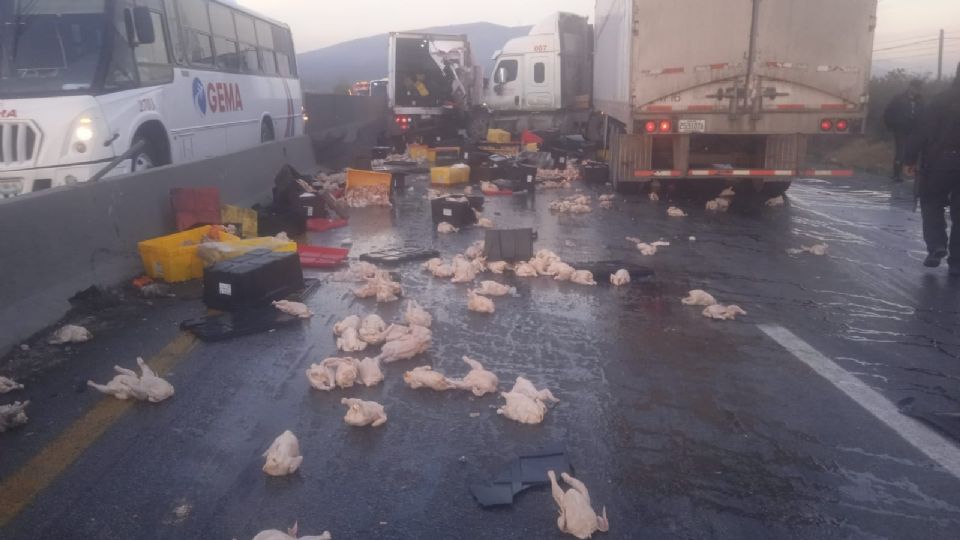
733, 88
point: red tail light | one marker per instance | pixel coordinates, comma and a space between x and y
650, 126
826, 125
842, 125
666, 126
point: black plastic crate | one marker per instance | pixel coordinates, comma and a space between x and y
523, 176
271, 223
254, 279
458, 213
380, 152
595, 173
509, 245
486, 172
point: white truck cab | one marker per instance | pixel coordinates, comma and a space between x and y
546, 71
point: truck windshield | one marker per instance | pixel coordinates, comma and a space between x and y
50, 46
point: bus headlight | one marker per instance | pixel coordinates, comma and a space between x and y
84, 131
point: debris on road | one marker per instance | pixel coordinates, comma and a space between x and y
654, 197
463, 270
718, 205
294, 309
291, 534
583, 277
13, 415
776, 201
358, 272
127, 385
520, 474
478, 380
698, 297
415, 315
525, 270
498, 267
524, 403
407, 346
673, 211
350, 341
438, 268
364, 413
157, 290
283, 456
367, 196
370, 372
9, 385
485, 223
728, 192
577, 516
479, 304
446, 228
475, 250
372, 329
353, 321
333, 373
70, 334
723, 313
492, 288
425, 377
577, 204
382, 287
561, 271
621, 278
817, 249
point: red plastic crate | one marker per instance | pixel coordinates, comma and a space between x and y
322, 225
321, 257
193, 207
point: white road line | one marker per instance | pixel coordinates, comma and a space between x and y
923, 438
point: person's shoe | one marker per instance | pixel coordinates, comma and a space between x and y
934, 259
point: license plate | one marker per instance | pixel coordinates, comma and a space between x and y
692, 126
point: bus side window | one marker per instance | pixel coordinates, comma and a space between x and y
247, 36
153, 59
268, 60
176, 33
224, 37
283, 44
199, 40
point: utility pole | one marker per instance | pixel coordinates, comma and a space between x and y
940, 58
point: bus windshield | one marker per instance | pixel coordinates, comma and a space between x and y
51, 46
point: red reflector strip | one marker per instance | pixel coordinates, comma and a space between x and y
701, 108
657, 174
663, 71
827, 172
791, 107
833, 107
742, 172
659, 108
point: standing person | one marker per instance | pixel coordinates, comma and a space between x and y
936, 147
901, 117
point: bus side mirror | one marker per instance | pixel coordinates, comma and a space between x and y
143, 23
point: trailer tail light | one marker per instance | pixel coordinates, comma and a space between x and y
842, 125
666, 126
403, 122
650, 127
826, 125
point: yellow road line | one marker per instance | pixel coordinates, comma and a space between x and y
20, 488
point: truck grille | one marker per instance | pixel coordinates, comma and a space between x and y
18, 143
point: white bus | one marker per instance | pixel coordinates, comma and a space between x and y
82, 81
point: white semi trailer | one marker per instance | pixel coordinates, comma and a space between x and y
700, 88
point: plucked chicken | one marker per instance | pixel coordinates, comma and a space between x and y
291, 534
479, 304
283, 456
620, 278
699, 298
352, 321
583, 277
364, 413
294, 309
577, 516
13, 415
372, 329
9, 385
350, 341
370, 372
127, 385
723, 313
478, 380
407, 346
416, 315
426, 377
492, 288
70, 334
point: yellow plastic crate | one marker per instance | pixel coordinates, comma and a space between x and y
498, 136
418, 152
173, 258
244, 217
432, 152
213, 253
357, 178
450, 175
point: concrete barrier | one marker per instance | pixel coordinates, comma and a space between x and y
344, 127
61, 241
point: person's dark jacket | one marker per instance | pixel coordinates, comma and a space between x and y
936, 142
903, 113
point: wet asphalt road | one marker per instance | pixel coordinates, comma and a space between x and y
681, 427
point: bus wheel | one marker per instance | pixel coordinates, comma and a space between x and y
144, 158
266, 130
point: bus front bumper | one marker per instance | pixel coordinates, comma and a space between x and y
19, 182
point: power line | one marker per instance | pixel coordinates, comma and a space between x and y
908, 45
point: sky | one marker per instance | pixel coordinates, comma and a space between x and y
318, 23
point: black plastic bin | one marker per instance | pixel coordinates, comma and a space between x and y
458, 213
380, 152
252, 280
595, 173
524, 176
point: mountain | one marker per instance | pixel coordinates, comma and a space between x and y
365, 59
